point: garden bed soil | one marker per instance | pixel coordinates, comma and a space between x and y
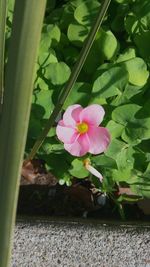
41, 195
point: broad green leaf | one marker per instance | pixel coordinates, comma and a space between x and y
45, 43
41, 84
131, 23
52, 160
50, 146
53, 33
142, 41
132, 90
138, 18
111, 82
127, 55
76, 3
77, 34
80, 93
104, 161
45, 58
44, 99
125, 159
137, 70
57, 73
114, 128
108, 44
137, 131
122, 175
125, 113
128, 198
114, 148
86, 12
142, 184
78, 170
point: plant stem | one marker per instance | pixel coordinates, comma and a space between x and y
20, 72
73, 77
3, 11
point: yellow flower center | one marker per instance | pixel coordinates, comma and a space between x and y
82, 127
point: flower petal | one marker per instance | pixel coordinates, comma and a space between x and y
92, 170
99, 139
65, 134
93, 114
80, 147
71, 115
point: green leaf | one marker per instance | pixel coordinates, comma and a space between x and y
53, 33
81, 93
125, 159
111, 82
114, 148
131, 24
104, 161
45, 58
57, 73
122, 175
138, 19
132, 90
108, 44
114, 128
128, 198
128, 54
44, 99
125, 113
137, 70
45, 43
77, 34
78, 170
85, 13
142, 41
137, 131
142, 184
52, 160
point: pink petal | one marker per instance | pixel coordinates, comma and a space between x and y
94, 171
71, 115
65, 134
92, 114
80, 147
99, 139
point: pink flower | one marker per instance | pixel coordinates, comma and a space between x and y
92, 170
80, 132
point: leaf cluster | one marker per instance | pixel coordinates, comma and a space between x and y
115, 74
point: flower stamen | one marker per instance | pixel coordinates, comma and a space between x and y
82, 127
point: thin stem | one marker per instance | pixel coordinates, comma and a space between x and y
19, 79
3, 11
73, 77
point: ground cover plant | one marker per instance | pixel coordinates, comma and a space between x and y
92, 160
114, 76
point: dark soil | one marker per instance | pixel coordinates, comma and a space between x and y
41, 195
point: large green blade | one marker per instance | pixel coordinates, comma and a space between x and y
27, 23
3, 8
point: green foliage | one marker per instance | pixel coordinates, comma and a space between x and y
78, 170
115, 74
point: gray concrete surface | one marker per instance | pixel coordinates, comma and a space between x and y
65, 244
